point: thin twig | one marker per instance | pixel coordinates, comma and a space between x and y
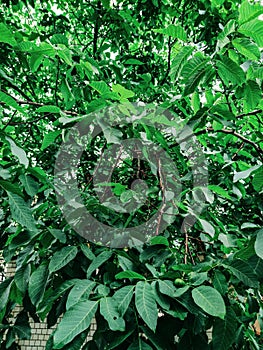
37, 104
258, 111
10, 121
241, 146
241, 137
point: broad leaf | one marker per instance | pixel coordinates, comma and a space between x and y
208, 228
244, 272
259, 244
179, 61
247, 48
21, 212
101, 87
62, 257
6, 36
48, 109
249, 11
220, 283
257, 181
37, 284
220, 191
167, 287
229, 71
129, 274
5, 287
75, 321
122, 298
18, 152
175, 31
253, 29
98, 261
146, 304
252, 95
30, 185
224, 331
109, 310
79, 292
49, 139
209, 300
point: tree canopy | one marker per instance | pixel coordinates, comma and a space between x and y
131, 173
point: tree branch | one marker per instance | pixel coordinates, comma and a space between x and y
249, 113
241, 137
37, 104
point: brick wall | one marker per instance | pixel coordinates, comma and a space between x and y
39, 331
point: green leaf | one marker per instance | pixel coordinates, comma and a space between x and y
21, 212
124, 93
224, 331
4, 173
79, 292
193, 71
30, 185
207, 227
193, 66
62, 257
129, 274
252, 94
48, 109
257, 181
259, 244
22, 276
10, 187
100, 86
65, 54
194, 80
145, 304
58, 234
75, 321
249, 11
87, 251
179, 61
6, 36
11, 102
159, 240
98, 261
247, 48
22, 327
125, 264
229, 71
59, 39
37, 284
122, 298
133, 61
5, 287
209, 300
220, 283
117, 339
18, 152
220, 191
109, 310
175, 31
253, 29
106, 4
49, 139
244, 272
167, 287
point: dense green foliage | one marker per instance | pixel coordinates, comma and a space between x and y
61, 61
